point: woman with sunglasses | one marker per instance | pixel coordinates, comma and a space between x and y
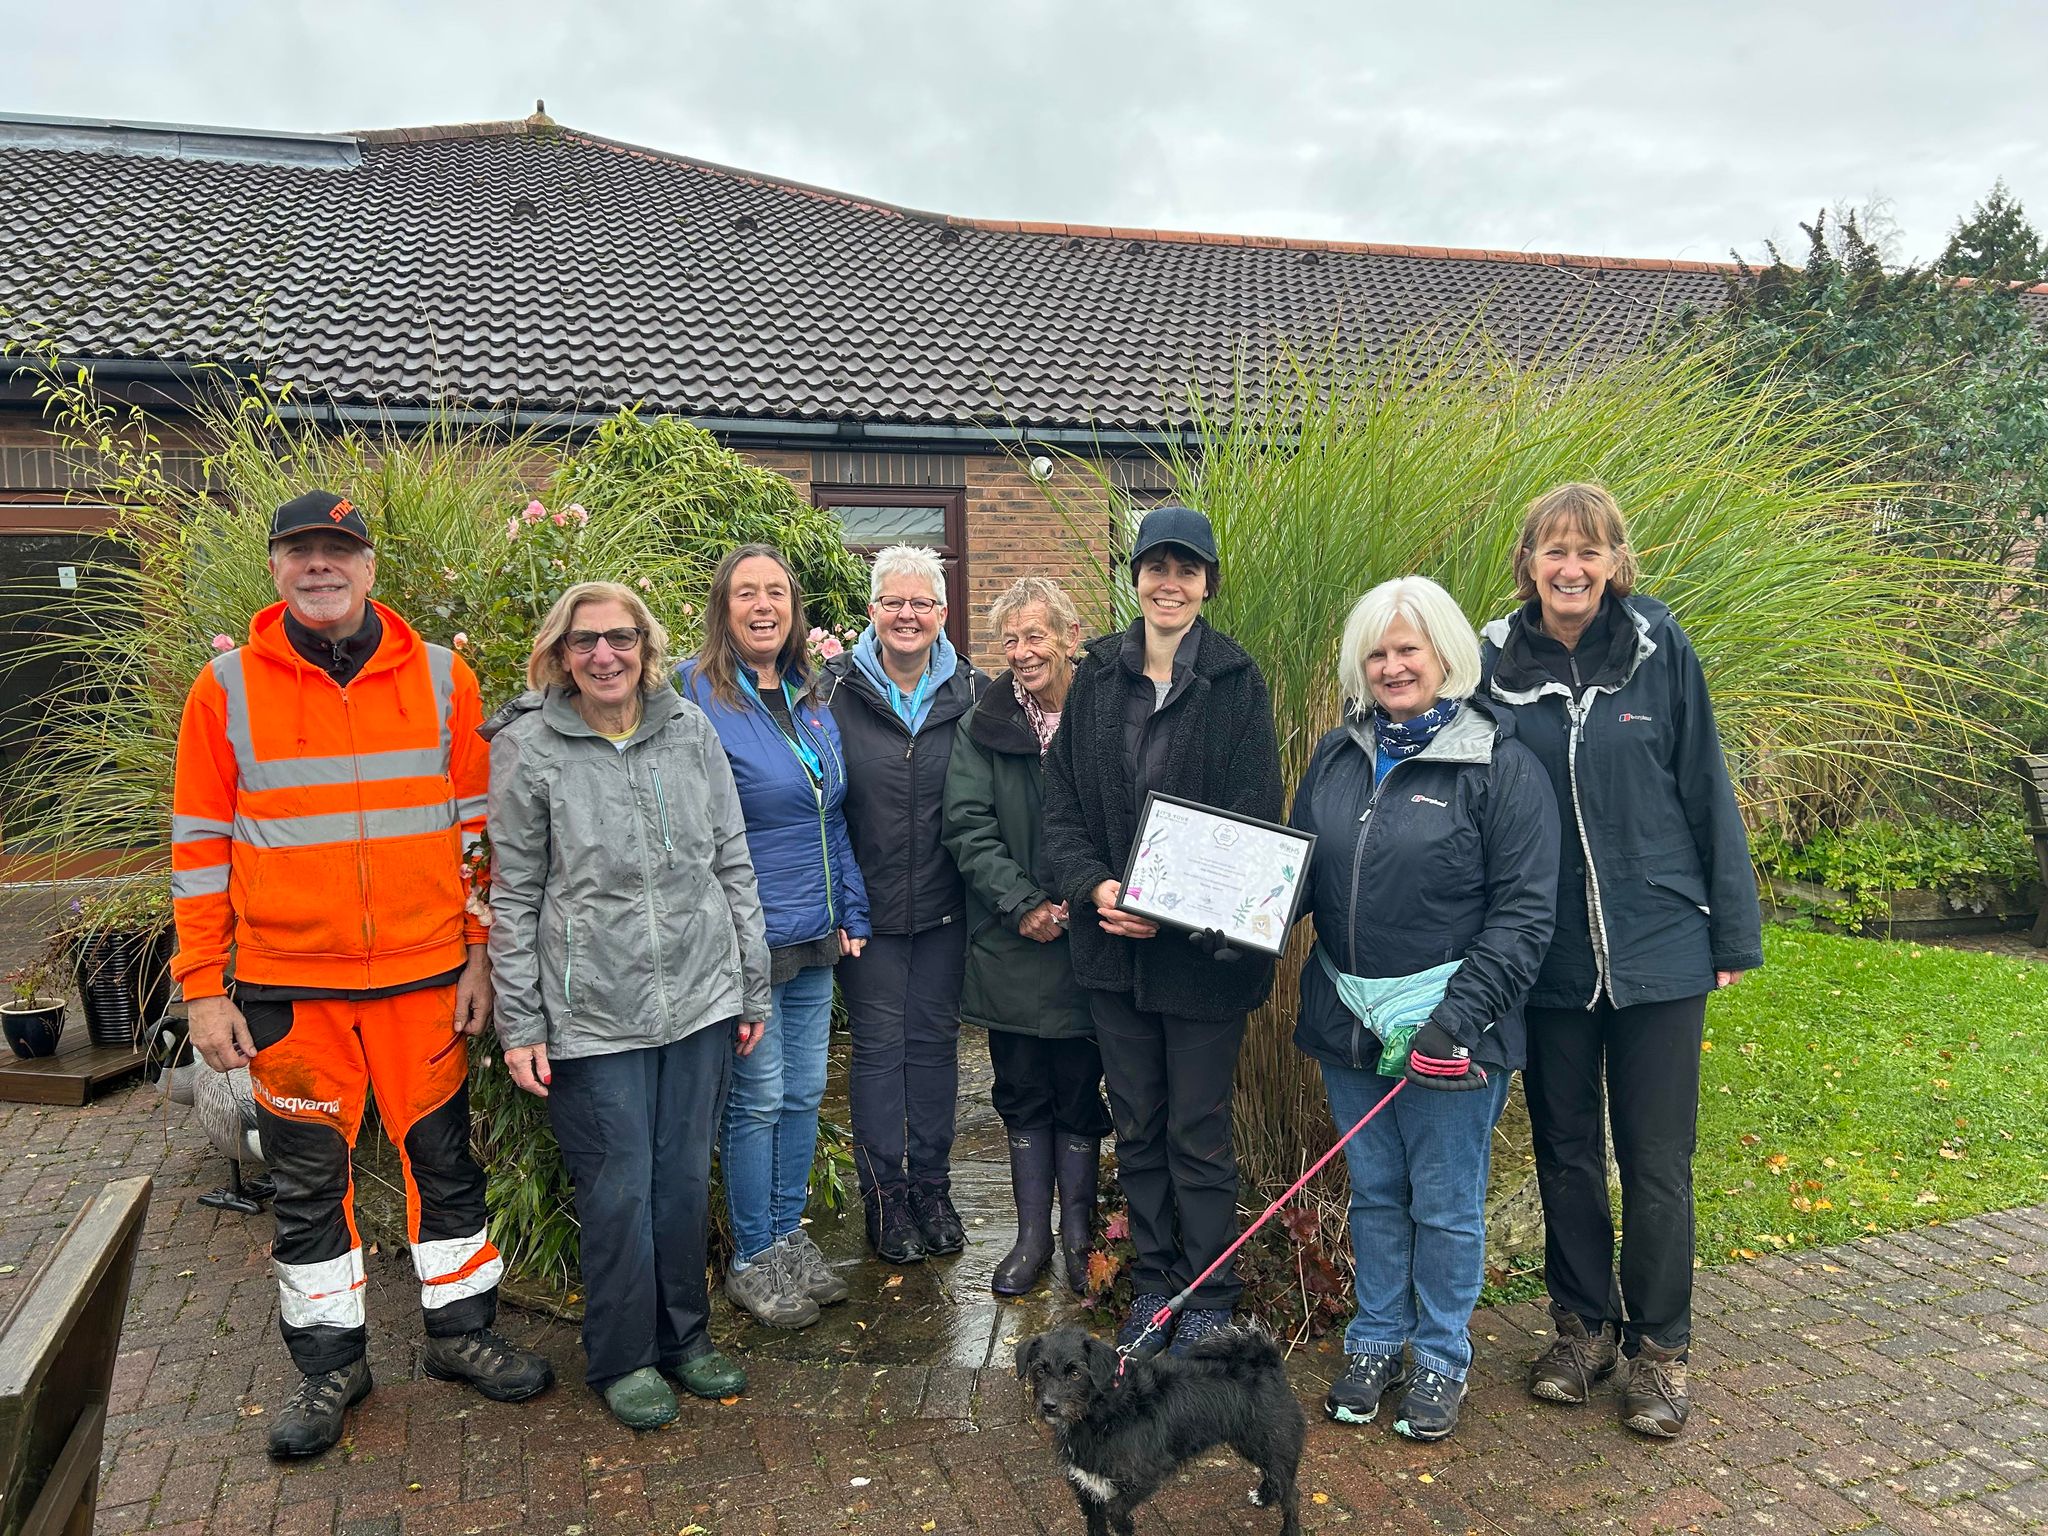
753, 680
631, 963
900, 694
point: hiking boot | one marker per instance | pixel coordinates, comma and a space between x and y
1031, 1189
1079, 1164
1565, 1372
1654, 1401
711, 1374
892, 1230
1355, 1396
1429, 1408
495, 1366
768, 1288
1197, 1324
938, 1224
1143, 1308
813, 1275
310, 1420
642, 1400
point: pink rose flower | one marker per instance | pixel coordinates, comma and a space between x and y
222, 643
534, 512
560, 519
576, 511
461, 640
511, 527
645, 584
830, 647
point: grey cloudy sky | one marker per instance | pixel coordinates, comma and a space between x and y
1641, 129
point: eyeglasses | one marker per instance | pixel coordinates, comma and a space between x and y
584, 641
917, 605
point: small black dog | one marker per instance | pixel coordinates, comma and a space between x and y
1121, 1435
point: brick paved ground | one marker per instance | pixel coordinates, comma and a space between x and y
1897, 1384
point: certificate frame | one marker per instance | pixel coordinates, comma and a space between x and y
1263, 925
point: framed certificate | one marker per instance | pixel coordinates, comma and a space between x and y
1196, 867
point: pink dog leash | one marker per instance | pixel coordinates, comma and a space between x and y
1166, 1313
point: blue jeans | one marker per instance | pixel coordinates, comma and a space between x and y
771, 1115
1418, 1213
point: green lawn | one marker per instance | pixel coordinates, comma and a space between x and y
1856, 1086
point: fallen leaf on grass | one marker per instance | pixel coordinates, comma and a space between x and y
1950, 1154
1425, 1478
1927, 1197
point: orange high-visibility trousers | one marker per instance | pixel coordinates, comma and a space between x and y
316, 1059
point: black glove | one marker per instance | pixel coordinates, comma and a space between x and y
1435, 1060
1214, 943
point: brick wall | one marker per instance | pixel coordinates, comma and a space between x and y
1020, 526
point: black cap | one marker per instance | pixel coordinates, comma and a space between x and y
319, 509
1176, 525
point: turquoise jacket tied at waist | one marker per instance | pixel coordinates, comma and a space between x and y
1392, 1007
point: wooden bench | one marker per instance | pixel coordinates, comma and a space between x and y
2033, 773
57, 1348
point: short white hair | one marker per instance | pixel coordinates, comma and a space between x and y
1431, 610
908, 560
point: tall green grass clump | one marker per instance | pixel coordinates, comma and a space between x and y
1329, 475
477, 533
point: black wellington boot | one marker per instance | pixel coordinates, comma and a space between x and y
1031, 1186
1079, 1161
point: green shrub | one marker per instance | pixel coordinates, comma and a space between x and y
1971, 863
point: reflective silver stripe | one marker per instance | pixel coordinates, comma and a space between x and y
438, 1262
309, 772
441, 667
467, 806
227, 671
342, 826
328, 1294
194, 829
212, 881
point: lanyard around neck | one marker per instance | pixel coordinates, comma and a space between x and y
804, 752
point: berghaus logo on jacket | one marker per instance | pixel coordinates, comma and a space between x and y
1630, 719
1442, 805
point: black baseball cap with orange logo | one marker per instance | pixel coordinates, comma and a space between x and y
318, 509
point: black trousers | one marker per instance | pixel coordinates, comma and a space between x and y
1042, 1082
1649, 1060
636, 1129
903, 1083
1170, 1081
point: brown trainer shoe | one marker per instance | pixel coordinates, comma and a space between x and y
1654, 1402
1565, 1372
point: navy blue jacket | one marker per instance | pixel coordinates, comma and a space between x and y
1453, 858
1656, 890
803, 859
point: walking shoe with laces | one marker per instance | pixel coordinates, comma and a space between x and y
1654, 1401
1355, 1396
1429, 1408
1143, 1308
938, 1224
495, 1366
818, 1279
892, 1230
1565, 1372
768, 1288
1197, 1324
310, 1420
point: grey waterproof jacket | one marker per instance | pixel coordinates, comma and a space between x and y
624, 912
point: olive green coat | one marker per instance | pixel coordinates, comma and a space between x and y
994, 792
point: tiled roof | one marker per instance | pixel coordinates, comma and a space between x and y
522, 263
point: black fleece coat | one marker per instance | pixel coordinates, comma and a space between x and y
1219, 750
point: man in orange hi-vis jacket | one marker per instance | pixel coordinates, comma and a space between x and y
329, 780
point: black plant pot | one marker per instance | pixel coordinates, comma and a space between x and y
124, 979
33, 1029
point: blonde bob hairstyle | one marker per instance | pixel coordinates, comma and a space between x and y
1433, 611
548, 665
1034, 592
908, 560
1590, 511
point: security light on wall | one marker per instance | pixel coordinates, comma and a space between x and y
1041, 468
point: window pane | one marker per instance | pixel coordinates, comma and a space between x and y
893, 525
